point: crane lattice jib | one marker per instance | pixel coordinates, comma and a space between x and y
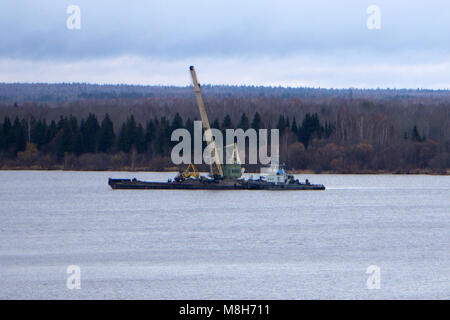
216, 167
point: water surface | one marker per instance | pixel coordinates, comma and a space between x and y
178, 244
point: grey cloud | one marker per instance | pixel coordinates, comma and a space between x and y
177, 29
288, 42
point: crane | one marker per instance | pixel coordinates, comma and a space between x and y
215, 167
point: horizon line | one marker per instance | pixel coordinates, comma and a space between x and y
224, 85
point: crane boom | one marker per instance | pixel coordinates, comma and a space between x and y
206, 127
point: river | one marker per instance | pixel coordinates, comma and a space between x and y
177, 244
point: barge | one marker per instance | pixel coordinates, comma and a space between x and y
205, 183
226, 176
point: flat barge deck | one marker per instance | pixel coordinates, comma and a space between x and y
211, 185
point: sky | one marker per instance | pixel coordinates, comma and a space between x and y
320, 43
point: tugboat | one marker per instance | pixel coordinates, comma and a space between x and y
222, 176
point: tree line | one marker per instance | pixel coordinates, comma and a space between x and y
57, 93
348, 130
306, 143
70, 135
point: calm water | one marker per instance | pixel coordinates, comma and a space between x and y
223, 244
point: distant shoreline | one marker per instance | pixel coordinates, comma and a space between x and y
173, 169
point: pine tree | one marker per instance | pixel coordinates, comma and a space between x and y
190, 126
5, 138
106, 135
257, 123
310, 127
52, 131
40, 133
415, 136
129, 135
20, 135
149, 132
177, 122
281, 124
163, 140
215, 124
243, 122
227, 124
140, 139
122, 142
70, 137
89, 132
294, 126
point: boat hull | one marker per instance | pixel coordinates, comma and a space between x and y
134, 184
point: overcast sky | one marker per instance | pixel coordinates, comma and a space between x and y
315, 43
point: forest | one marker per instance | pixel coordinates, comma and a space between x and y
129, 128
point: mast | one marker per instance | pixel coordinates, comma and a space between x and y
216, 167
